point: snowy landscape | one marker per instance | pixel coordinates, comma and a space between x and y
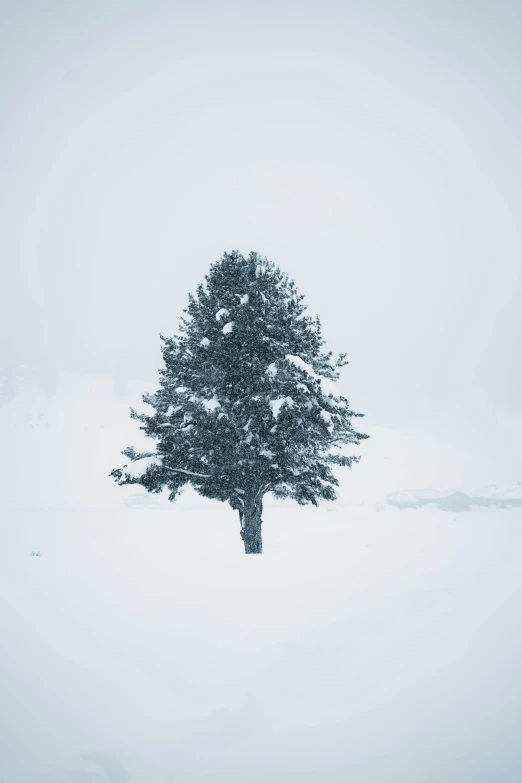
260, 392
144, 646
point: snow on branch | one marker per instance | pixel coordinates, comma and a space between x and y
328, 387
277, 404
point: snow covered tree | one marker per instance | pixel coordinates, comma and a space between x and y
247, 402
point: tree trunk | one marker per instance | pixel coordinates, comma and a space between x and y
251, 522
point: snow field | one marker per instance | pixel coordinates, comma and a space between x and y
363, 645
379, 646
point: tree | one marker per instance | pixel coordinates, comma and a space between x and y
247, 402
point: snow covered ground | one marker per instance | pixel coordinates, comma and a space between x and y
361, 646
143, 645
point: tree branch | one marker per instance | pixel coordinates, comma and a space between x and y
188, 472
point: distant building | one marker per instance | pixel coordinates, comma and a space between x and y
414, 498
458, 501
499, 496
492, 496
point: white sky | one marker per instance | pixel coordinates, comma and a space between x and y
371, 149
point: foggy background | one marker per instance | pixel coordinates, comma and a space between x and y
372, 150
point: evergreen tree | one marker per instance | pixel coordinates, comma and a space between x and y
247, 402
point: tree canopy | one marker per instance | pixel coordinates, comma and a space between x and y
247, 402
